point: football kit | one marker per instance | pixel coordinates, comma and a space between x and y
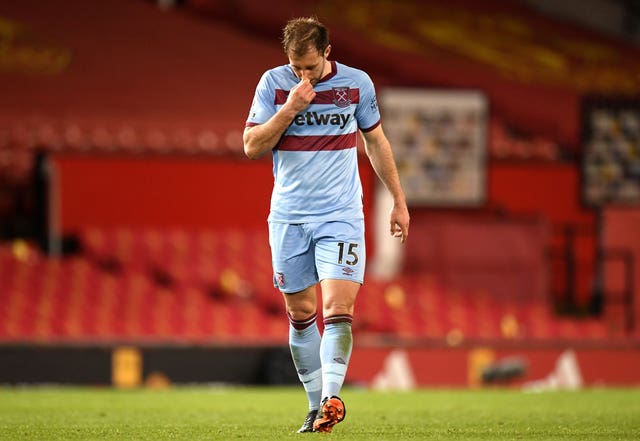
315, 163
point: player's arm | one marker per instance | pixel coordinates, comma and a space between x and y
379, 152
264, 137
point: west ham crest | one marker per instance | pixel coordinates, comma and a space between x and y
341, 96
280, 280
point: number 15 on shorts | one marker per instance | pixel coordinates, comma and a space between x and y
349, 249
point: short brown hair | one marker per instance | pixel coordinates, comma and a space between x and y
301, 33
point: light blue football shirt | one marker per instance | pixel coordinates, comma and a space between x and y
315, 163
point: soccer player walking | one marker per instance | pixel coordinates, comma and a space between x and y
307, 114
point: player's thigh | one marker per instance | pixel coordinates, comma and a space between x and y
340, 250
338, 297
292, 257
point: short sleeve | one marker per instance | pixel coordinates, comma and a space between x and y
263, 105
367, 112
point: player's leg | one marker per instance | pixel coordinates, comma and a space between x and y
295, 275
335, 350
304, 342
340, 259
338, 298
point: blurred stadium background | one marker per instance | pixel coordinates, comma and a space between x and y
133, 243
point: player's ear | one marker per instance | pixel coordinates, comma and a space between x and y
327, 51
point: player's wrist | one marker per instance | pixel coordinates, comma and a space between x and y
400, 202
288, 112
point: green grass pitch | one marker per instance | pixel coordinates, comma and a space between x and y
270, 413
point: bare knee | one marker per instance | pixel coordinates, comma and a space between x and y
337, 308
301, 312
301, 305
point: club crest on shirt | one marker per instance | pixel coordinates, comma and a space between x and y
280, 280
341, 96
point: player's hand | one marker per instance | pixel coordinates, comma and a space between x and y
301, 95
399, 222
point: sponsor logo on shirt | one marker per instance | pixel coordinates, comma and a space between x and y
322, 119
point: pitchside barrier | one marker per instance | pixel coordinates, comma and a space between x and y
394, 367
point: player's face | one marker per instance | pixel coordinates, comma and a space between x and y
311, 65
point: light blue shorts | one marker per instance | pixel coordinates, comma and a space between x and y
304, 254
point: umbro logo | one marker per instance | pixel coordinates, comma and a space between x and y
348, 271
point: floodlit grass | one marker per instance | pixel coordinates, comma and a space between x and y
264, 414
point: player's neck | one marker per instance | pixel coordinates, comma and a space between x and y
328, 68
